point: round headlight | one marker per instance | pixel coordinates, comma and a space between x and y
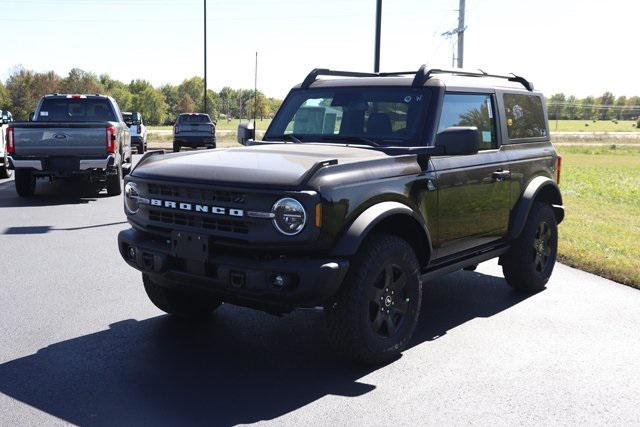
131, 198
289, 216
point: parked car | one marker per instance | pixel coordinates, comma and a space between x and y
362, 188
70, 137
138, 130
5, 119
194, 130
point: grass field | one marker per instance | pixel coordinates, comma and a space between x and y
601, 231
224, 124
591, 126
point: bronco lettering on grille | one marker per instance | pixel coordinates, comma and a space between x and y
216, 210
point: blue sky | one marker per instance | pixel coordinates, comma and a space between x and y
581, 47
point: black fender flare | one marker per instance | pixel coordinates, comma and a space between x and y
539, 188
360, 228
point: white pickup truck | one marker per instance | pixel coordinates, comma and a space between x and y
5, 119
138, 130
70, 137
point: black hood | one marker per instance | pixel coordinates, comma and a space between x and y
272, 164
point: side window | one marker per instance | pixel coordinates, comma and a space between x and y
470, 110
525, 116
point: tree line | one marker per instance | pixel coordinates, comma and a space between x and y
158, 105
604, 107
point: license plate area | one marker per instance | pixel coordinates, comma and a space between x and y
64, 164
190, 245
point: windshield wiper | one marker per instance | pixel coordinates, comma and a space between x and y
291, 137
352, 138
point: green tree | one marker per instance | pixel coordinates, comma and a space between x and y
605, 99
587, 108
556, 106
150, 103
620, 104
571, 107
5, 101
185, 104
79, 81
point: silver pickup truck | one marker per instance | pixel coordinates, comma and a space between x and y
70, 137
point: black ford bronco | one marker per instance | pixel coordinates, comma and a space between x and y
364, 186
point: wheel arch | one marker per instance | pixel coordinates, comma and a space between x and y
539, 189
387, 217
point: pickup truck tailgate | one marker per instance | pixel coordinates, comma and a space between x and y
64, 139
195, 128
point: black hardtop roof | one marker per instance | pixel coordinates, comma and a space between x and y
423, 77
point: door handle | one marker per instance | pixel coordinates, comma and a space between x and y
501, 175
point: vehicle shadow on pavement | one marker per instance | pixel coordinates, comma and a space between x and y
50, 194
240, 367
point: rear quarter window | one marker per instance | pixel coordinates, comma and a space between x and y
525, 116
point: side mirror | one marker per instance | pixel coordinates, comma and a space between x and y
32, 115
459, 141
246, 132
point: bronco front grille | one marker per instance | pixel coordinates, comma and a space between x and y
199, 221
200, 194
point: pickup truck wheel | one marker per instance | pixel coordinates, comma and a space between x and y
113, 182
176, 147
376, 311
5, 172
141, 148
179, 303
25, 183
528, 264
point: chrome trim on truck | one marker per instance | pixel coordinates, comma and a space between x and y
96, 163
25, 164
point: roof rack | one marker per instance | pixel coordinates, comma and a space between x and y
420, 77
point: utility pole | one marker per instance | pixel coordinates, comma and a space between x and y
255, 92
205, 56
376, 60
460, 32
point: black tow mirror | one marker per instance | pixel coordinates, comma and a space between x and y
459, 141
246, 132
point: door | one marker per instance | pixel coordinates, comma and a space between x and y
473, 190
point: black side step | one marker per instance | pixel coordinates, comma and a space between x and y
441, 270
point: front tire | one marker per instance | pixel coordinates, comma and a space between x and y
25, 183
376, 311
528, 264
178, 302
141, 148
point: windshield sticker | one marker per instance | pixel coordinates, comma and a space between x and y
486, 136
44, 113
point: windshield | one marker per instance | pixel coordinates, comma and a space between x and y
373, 115
75, 110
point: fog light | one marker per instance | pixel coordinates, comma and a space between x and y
132, 253
278, 281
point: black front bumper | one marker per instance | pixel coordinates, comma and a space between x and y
308, 282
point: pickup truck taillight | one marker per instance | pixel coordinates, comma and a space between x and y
139, 129
10, 144
558, 168
111, 139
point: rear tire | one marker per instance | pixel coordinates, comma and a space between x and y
176, 147
113, 182
375, 313
178, 302
25, 183
528, 264
141, 148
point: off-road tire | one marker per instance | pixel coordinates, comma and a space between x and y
25, 183
114, 187
176, 147
179, 303
356, 322
528, 264
141, 148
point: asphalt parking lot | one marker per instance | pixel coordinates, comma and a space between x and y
80, 343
